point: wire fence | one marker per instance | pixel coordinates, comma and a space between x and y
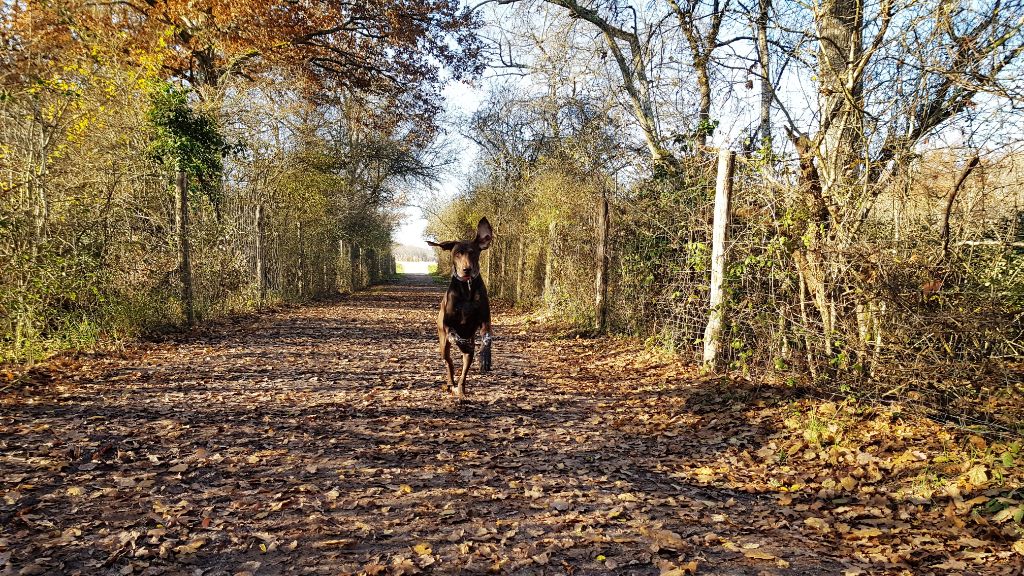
901, 318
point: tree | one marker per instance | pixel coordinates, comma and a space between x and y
851, 154
92, 244
701, 25
391, 53
632, 45
191, 143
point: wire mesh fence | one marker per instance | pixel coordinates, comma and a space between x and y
894, 316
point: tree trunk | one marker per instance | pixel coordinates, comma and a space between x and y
704, 128
840, 23
764, 130
832, 164
951, 201
812, 366
181, 185
811, 268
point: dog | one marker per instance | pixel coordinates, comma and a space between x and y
465, 308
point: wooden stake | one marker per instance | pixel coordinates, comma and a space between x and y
187, 300
261, 267
601, 280
716, 316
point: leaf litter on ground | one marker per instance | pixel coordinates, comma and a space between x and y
317, 440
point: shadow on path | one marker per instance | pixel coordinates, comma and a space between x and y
317, 441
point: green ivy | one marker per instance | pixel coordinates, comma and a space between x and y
187, 139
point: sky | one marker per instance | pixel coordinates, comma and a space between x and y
461, 99
738, 115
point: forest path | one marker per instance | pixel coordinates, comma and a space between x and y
317, 440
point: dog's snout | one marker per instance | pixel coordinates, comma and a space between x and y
467, 271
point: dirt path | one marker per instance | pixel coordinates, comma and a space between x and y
317, 441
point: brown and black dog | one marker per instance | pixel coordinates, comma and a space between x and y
464, 307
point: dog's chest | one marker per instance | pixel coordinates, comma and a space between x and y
467, 307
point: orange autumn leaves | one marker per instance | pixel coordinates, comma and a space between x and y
391, 53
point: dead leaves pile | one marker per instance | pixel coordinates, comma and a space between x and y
294, 444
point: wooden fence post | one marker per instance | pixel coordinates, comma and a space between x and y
261, 267
187, 296
500, 273
520, 268
354, 259
342, 261
601, 279
549, 267
301, 264
716, 315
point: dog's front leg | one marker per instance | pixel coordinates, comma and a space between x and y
446, 354
467, 361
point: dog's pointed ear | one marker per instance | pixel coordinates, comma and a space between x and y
444, 245
484, 234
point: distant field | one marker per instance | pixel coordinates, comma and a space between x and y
416, 267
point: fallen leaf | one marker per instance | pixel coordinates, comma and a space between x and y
758, 554
333, 542
951, 564
970, 542
666, 539
818, 524
402, 566
191, 548
1005, 514
978, 475
668, 569
865, 532
560, 505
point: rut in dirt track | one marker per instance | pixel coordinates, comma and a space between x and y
317, 440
